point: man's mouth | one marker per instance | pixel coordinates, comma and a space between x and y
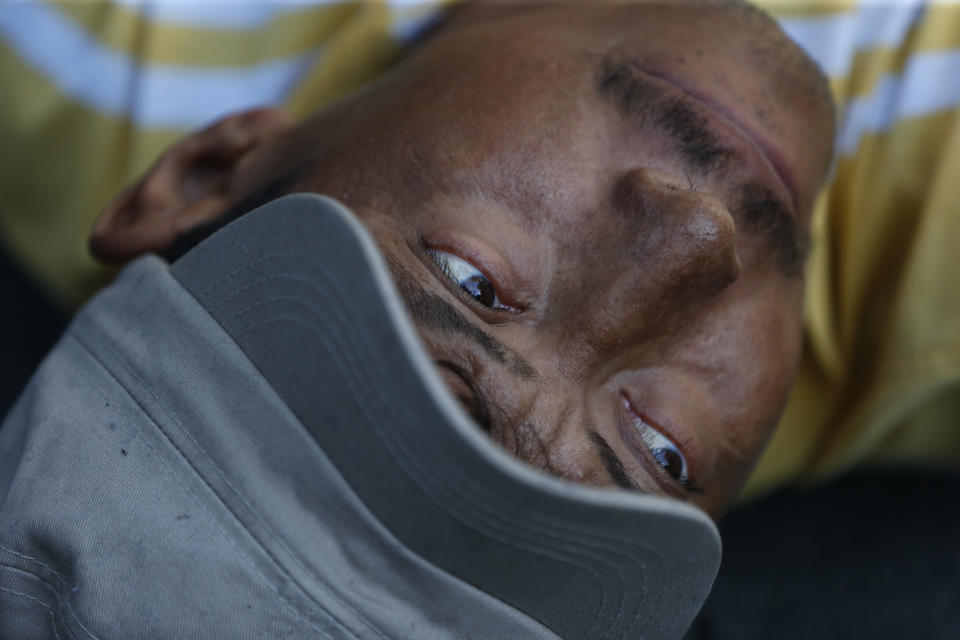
770, 154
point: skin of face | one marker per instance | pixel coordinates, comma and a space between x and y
634, 183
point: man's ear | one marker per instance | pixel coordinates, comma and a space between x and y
191, 183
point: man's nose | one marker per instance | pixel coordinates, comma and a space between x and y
667, 252
684, 240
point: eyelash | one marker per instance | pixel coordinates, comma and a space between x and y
684, 482
653, 440
656, 441
456, 271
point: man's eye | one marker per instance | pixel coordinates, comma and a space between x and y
665, 452
468, 278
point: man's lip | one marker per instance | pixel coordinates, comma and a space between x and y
774, 158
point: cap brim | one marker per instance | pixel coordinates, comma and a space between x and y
301, 287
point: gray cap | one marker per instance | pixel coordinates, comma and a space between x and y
301, 287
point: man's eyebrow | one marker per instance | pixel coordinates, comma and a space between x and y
611, 462
435, 312
763, 214
635, 96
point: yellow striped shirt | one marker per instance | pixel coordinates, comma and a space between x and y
94, 91
880, 379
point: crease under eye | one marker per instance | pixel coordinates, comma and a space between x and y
471, 280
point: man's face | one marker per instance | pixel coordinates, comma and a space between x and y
597, 216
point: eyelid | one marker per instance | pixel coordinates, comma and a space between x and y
628, 412
495, 272
654, 439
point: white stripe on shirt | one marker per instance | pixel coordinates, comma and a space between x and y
833, 40
930, 82
151, 95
